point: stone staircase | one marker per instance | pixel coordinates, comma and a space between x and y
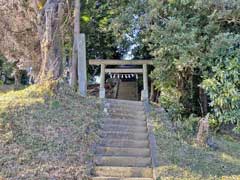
123, 152
128, 91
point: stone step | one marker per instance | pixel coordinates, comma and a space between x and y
127, 92
127, 116
128, 83
116, 151
123, 161
126, 111
124, 143
127, 89
130, 87
128, 97
119, 135
126, 122
124, 128
123, 172
125, 107
125, 102
117, 178
121, 117
134, 84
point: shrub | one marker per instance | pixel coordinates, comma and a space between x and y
222, 83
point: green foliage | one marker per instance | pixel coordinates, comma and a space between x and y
187, 40
169, 99
187, 127
222, 81
95, 19
86, 18
175, 47
177, 41
213, 122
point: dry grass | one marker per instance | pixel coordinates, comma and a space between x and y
46, 135
183, 160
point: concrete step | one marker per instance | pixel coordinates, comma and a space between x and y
134, 98
124, 143
121, 117
127, 116
126, 83
117, 178
116, 151
134, 84
127, 111
123, 161
122, 172
125, 122
132, 88
125, 102
125, 107
128, 87
124, 128
127, 92
119, 135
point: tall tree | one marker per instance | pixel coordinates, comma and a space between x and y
31, 35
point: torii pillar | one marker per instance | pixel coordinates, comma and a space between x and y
144, 92
102, 90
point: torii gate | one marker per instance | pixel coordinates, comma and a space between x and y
104, 70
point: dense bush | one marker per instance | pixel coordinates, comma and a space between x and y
222, 82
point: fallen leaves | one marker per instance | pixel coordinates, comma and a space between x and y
49, 139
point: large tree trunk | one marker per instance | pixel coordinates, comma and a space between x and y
49, 30
74, 66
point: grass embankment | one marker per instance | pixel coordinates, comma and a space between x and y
180, 158
46, 135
